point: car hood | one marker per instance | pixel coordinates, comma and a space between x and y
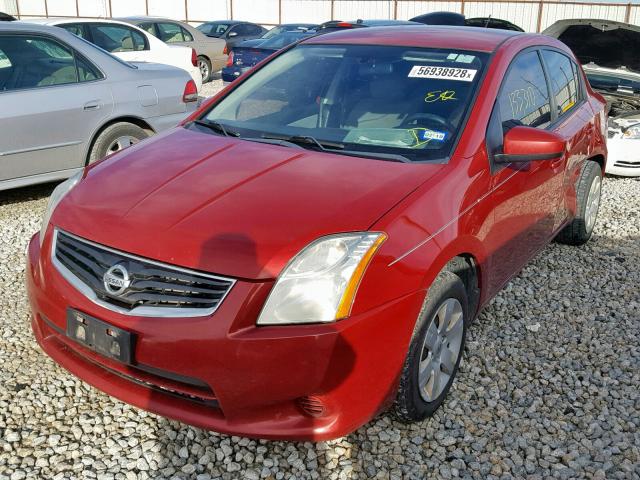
605, 43
230, 206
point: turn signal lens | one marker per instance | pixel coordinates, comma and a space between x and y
230, 60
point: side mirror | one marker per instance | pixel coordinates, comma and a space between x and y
232, 34
528, 144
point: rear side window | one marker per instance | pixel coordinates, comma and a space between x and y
117, 38
170, 32
76, 29
187, 36
254, 29
563, 75
148, 27
524, 97
4, 60
28, 61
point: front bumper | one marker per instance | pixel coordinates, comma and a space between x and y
225, 374
623, 157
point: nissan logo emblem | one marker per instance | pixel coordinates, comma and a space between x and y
116, 280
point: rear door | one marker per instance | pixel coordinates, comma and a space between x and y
525, 196
52, 99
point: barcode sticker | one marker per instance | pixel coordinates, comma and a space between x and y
453, 73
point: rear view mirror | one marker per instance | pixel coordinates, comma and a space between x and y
528, 144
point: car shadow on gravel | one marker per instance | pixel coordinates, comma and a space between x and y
24, 194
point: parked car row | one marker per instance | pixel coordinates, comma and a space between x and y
67, 103
130, 43
143, 41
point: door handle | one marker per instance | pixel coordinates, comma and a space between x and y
92, 105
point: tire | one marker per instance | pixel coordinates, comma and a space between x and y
588, 193
205, 69
114, 138
413, 403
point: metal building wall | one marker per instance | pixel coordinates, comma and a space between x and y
533, 15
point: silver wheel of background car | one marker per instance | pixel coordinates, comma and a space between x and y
593, 203
205, 69
441, 349
121, 143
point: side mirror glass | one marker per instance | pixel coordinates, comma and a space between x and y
528, 144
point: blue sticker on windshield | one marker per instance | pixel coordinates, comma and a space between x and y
433, 135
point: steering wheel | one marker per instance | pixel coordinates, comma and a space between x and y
426, 118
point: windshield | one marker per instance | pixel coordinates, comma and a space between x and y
385, 99
213, 29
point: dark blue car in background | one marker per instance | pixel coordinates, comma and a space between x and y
246, 55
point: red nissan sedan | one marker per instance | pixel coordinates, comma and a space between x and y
311, 246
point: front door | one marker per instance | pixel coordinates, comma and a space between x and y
526, 197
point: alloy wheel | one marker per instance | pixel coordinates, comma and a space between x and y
204, 69
121, 143
593, 203
441, 349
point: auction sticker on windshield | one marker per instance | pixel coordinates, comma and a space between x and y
452, 73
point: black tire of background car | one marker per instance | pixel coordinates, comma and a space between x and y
207, 64
409, 405
110, 135
575, 233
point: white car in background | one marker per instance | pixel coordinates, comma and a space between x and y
129, 43
608, 51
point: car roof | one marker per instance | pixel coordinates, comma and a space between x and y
147, 18
59, 21
230, 22
435, 36
29, 27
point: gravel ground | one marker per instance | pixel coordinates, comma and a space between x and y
548, 387
211, 88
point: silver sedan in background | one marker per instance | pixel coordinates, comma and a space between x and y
65, 103
211, 51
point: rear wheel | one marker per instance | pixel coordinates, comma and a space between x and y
588, 194
115, 138
435, 350
205, 68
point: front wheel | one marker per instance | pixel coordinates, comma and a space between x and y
205, 69
588, 193
435, 350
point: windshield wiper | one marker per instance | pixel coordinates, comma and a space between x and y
217, 127
306, 140
390, 157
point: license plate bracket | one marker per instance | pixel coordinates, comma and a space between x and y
100, 336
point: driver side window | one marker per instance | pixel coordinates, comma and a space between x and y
524, 97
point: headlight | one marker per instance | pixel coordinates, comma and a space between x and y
56, 197
632, 132
321, 281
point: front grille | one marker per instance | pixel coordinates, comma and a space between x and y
152, 287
